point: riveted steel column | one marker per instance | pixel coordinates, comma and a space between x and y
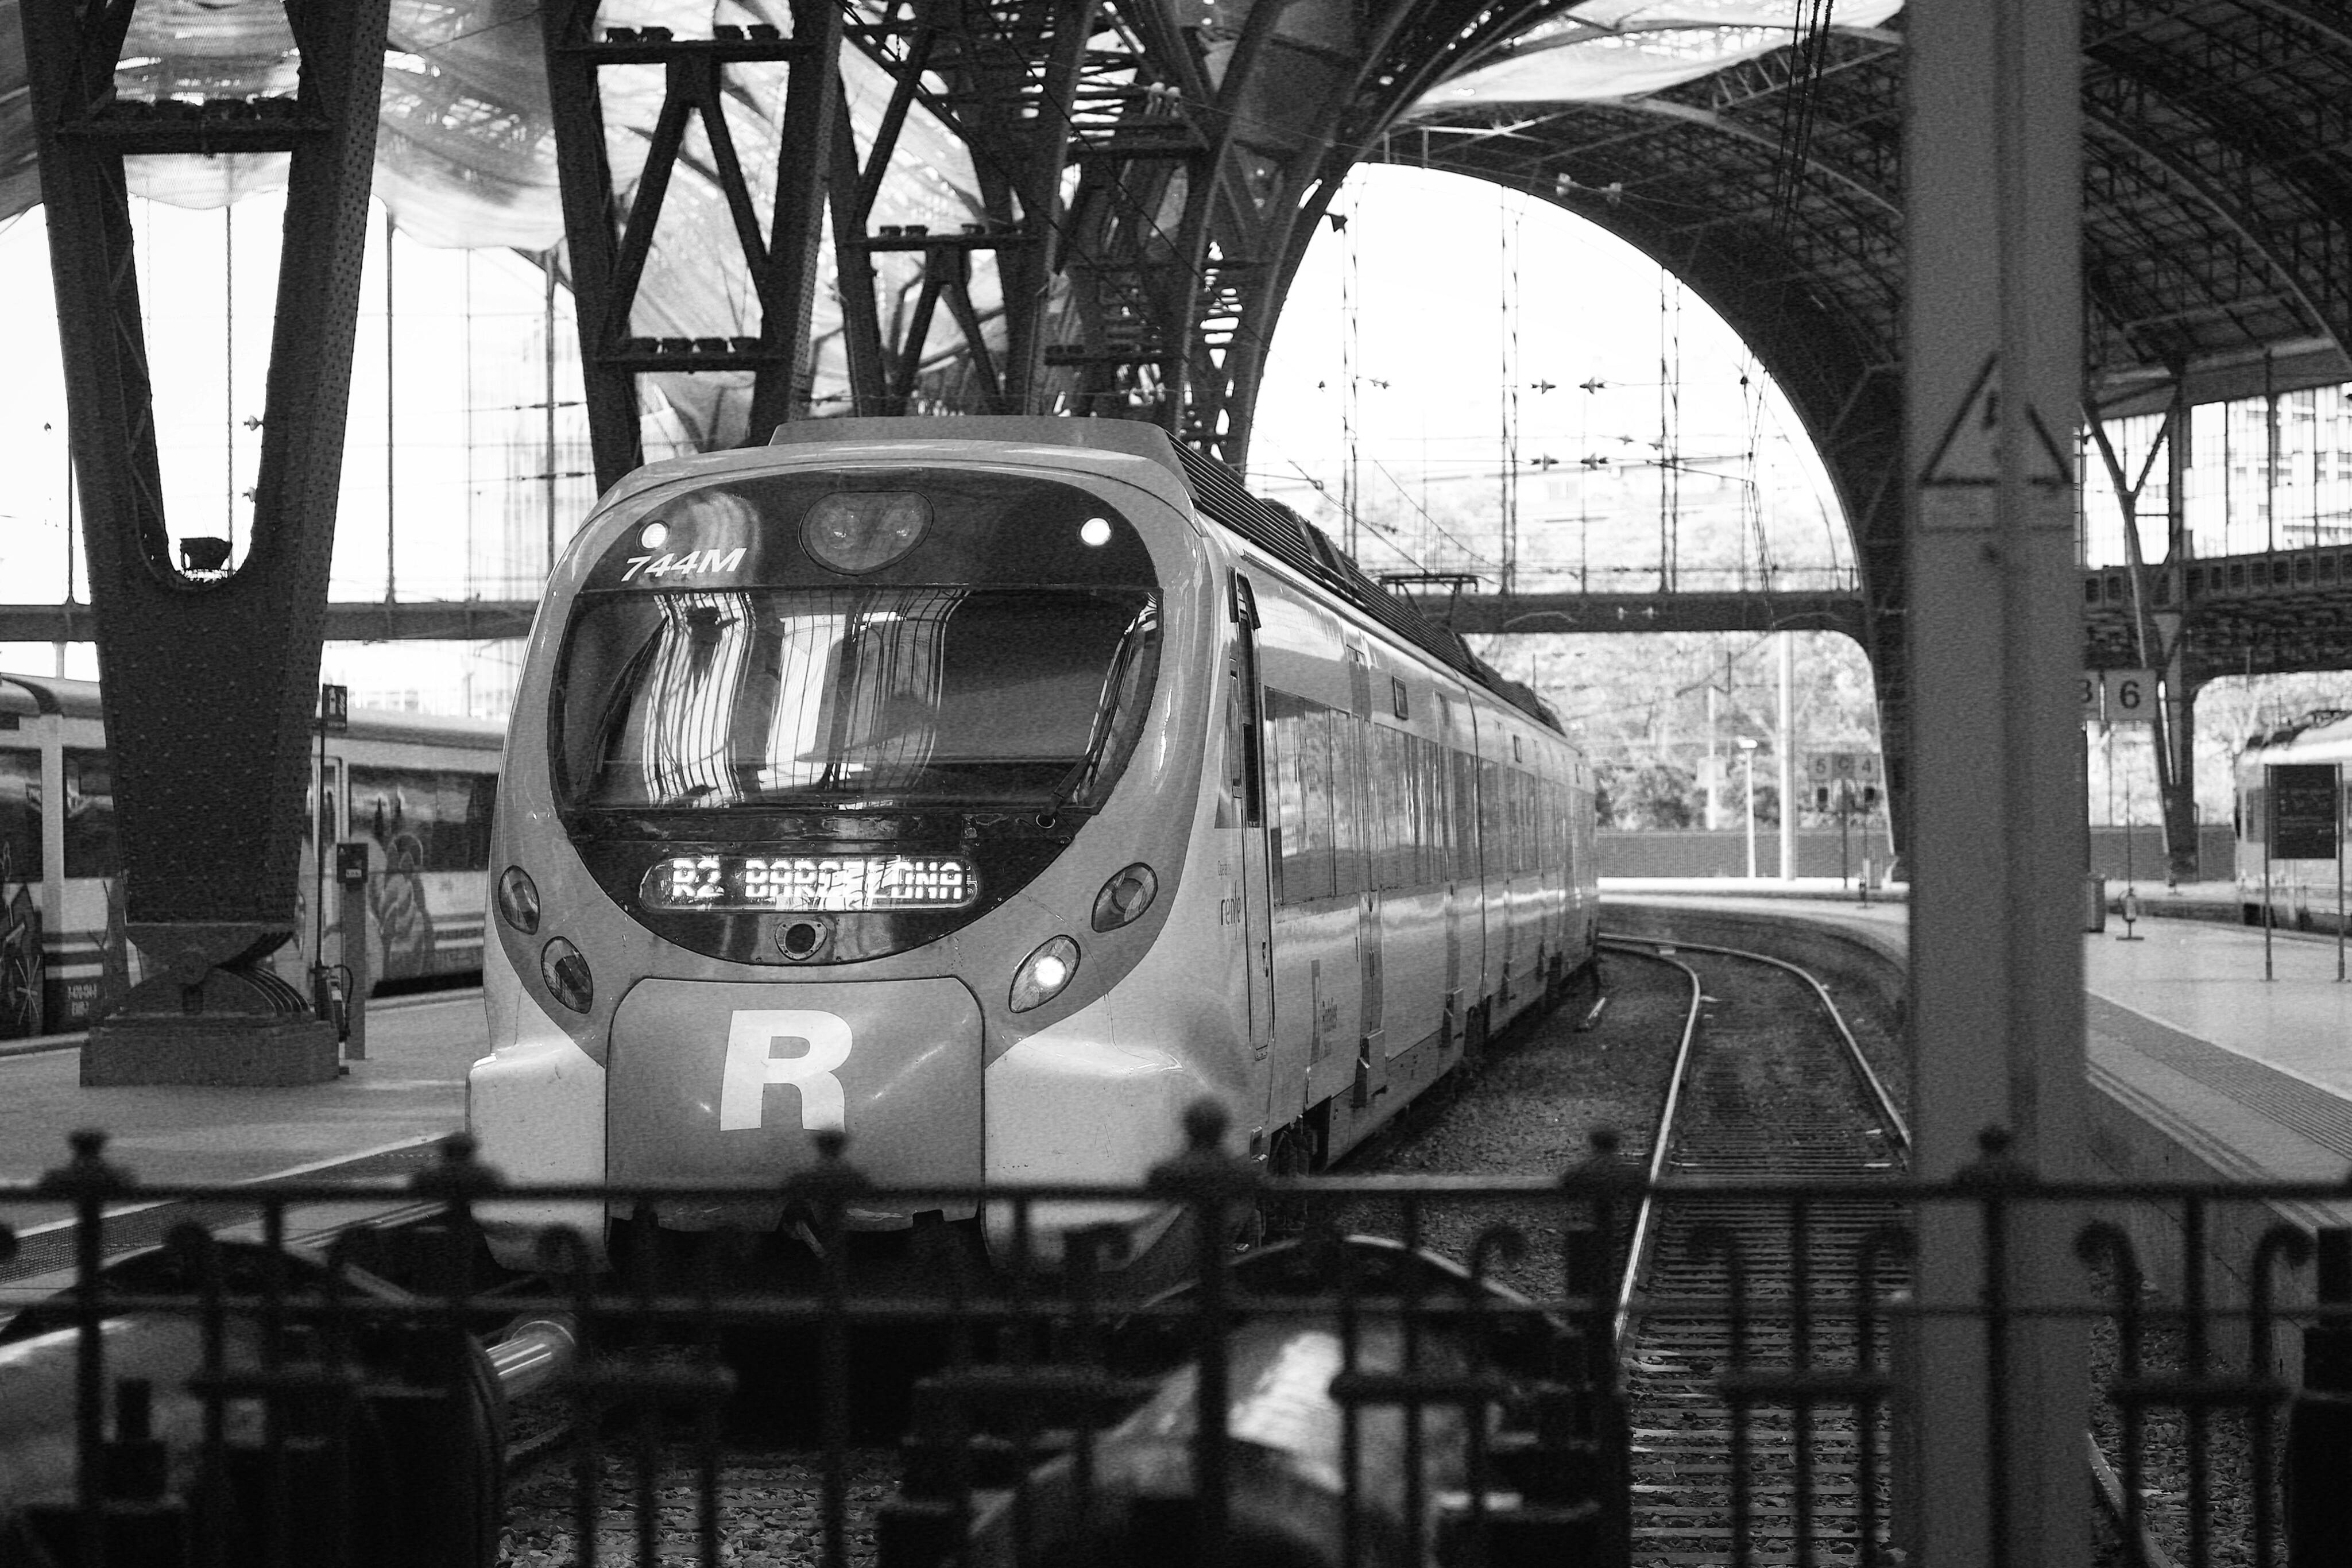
1993, 377
210, 679
590, 234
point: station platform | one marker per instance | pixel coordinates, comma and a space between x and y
378, 1123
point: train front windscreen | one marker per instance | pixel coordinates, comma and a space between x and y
927, 638
854, 697
855, 693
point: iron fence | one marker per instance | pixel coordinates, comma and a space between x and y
1426, 1370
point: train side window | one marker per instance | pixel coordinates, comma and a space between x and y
1428, 819
1302, 775
1360, 684
1285, 802
1536, 837
1283, 723
1522, 803
1422, 854
1441, 813
1492, 846
1567, 829
421, 818
1465, 802
2257, 827
1322, 783
1350, 838
91, 847
1539, 815
1391, 791
1404, 843
20, 816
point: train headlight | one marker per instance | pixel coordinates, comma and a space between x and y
565, 970
1125, 896
519, 900
864, 531
1042, 973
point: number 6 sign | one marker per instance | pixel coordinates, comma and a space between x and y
2119, 697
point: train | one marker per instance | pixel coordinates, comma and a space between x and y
416, 790
986, 791
2301, 890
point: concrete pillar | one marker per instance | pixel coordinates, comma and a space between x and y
1992, 377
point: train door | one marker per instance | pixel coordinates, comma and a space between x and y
1248, 788
317, 899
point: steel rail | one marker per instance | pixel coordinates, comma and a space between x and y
2104, 1481
1644, 1234
1899, 1126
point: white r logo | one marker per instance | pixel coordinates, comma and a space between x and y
752, 1064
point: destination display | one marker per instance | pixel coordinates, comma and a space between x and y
742, 883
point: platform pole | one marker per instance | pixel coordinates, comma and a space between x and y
1994, 1421
1788, 756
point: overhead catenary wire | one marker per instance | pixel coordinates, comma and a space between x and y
1471, 554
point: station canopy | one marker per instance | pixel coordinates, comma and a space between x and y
2217, 163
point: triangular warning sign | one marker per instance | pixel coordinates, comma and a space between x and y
1968, 453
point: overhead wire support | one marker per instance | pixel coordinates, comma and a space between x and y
1509, 519
1351, 498
1669, 463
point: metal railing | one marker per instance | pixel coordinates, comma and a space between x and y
1426, 1372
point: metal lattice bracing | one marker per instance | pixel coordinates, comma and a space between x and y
1141, 183
611, 243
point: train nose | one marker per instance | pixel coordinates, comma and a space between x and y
726, 1084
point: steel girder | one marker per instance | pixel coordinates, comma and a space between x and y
1140, 182
610, 243
211, 677
1143, 185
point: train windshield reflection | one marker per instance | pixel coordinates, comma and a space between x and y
876, 695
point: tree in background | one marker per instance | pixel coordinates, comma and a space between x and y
1631, 794
1638, 705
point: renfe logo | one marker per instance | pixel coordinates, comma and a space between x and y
755, 1045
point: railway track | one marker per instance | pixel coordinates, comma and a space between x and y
1768, 1296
